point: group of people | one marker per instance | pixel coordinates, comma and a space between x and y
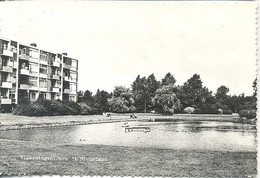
132, 116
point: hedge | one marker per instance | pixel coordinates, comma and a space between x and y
248, 113
53, 108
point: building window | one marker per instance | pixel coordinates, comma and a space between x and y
24, 65
5, 77
24, 50
67, 61
34, 53
42, 96
72, 98
43, 83
33, 68
43, 69
43, 56
4, 62
32, 96
66, 73
33, 81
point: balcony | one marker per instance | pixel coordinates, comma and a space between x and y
73, 80
6, 85
44, 62
33, 73
7, 69
66, 66
66, 78
43, 89
55, 77
73, 92
7, 53
56, 89
6, 101
25, 57
56, 64
33, 88
24, 86
43, 75
67, 90
24, 72
15, 65
35, 60
73, 68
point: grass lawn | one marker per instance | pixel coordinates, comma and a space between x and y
121, 161
9, 119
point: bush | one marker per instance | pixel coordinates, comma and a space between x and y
88, 110
227, 111
30, 110
73, 107
197, 111
53, 108
248, 113
189, 110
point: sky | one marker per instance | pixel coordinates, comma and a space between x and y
116, 41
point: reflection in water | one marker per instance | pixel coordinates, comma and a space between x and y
204, 135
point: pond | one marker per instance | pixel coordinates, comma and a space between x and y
203, 135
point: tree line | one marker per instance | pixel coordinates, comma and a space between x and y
147, 94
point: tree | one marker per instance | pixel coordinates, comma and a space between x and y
222, 92
101, 100
166, 99
122, 100
80, 96
143, 92
88, 98
192, 93
152, 85
222, 98
168, 79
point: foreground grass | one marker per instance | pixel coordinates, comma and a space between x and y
122, 161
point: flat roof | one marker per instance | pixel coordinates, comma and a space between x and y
37, 48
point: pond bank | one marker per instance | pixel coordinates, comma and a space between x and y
195, 117
14, 122
30, 158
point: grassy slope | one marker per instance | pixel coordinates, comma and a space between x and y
9, 119
123, 161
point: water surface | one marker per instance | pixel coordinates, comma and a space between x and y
204, 135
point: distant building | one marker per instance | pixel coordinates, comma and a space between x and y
30, 72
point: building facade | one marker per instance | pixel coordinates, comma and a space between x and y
27, 72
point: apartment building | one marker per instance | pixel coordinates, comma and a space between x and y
28, 72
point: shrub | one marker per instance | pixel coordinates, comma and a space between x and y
53, 108
227, 111
197, 111
189, 110
30, 110
88, 110
73, 107
248, 113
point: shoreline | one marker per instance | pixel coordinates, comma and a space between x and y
59, 124
14, 122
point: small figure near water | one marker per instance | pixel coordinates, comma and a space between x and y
125, 124
220, 111
107, 114
133, 116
